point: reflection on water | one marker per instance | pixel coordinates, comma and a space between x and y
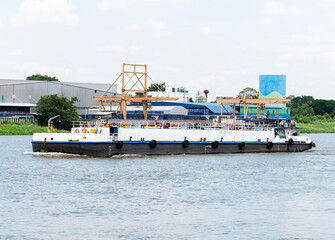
228, 196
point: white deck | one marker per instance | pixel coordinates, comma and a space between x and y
101, 134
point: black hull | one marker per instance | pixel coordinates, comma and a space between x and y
107, 149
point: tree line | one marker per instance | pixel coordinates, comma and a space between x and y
306, 109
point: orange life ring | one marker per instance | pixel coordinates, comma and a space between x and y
84, 130
77, 130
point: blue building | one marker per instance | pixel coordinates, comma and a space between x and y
272, 86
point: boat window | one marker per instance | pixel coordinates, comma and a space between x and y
113, 130
280, 133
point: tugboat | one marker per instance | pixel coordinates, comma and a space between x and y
223, 135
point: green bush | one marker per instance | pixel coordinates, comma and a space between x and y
52, 105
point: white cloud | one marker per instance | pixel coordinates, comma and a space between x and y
159, 67
26, 68
286, 60
329, 55
164, 33
110, 5
154, 25
118, 49
107, 5
289, 57
56, 11
205, 30
149, 24
17, 52
274, 8
277, 8
265, 20
135, 27
34, 67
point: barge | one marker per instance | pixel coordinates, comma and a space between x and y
223, 135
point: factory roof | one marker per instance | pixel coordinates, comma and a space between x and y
93, 86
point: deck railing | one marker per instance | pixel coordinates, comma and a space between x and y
224, 125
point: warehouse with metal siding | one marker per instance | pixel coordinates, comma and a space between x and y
26, 91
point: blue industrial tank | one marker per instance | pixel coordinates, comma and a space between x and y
272, 86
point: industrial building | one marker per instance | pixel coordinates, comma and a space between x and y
271, 97
272, 86
19, 97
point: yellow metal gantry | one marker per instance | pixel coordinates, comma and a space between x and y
134, 79
260, 102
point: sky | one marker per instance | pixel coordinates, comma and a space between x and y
219, 45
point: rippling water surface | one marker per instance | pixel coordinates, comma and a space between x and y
231, 196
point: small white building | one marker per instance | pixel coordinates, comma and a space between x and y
173, 91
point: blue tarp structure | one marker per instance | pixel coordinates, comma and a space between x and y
198, 108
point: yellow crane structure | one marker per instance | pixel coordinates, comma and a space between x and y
260, 102
134, 80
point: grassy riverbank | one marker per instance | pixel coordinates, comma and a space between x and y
321, 126
317, 127
23, 129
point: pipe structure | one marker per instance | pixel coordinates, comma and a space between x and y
49, 121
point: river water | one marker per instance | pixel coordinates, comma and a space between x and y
230, 196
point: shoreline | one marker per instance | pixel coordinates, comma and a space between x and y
317, 127
16, 129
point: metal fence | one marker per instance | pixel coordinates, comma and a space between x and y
19, 119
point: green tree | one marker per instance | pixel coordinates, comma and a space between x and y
52, 105
303, 110
322, 106
154, 88
326, 116
333, 114
298, 101
39, 77
190, 100
248, 90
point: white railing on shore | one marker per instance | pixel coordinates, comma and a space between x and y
16, 120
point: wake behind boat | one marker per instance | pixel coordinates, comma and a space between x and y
223, 135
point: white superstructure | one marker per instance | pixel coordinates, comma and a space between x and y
175, 132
